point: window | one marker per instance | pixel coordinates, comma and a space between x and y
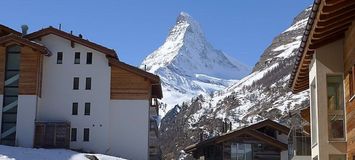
88, 83
77, 58
314, 131
60, 58
75, 108
89, 58
87, 108
76, 83
335, 107
352, 83
337, 157
73, 134
240, 151
86, 134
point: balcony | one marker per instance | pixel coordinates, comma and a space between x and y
299, 145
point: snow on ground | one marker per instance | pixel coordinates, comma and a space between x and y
19, 153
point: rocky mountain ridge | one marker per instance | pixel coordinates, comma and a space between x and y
188, 65
262, 94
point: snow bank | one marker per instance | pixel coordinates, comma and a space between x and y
19, 153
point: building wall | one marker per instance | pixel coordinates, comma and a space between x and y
58, 94
129, 128
349, 61
302, 158
327, 61
26, 115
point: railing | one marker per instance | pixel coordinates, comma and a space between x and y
299, 145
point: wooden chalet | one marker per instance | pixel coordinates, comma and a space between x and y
265, 140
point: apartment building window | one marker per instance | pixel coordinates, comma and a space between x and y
73, 134
75, 108
240, 151
335, 100
314, 131
89, 58
87, 108
337, 157
352, 82
77, 58
60, 58
76, 83
88, 83
86, 134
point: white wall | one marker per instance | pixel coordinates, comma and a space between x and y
58, 94
328, 60
26, 114
129, 128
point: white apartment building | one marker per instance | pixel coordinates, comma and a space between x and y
60, 90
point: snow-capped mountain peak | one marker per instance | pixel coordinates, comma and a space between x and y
189, 65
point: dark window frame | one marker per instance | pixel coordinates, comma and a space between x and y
59, 57
75, 108
86, 135
77, 58
87, 109
89, 58
76, 83
73, 134
88, 81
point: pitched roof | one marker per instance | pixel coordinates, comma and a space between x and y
328, 22
250, 130
4, 30
156, 87
12, 38
87, 43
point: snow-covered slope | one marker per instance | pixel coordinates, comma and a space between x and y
188, 65
264, 93
19, 153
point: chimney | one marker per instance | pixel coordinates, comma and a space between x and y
24, 29
80, 36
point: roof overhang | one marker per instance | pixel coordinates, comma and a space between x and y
249, 130
328, 22
72, 38
6, 30
11, 39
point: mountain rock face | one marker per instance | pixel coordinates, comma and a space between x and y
188, 65
262, 94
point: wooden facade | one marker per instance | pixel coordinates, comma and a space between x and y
30, 72
262, 139
52, 135
127, 85
349, 61
128, 82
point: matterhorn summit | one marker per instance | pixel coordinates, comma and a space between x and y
188, 65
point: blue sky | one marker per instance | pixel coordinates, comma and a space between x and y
242, 29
